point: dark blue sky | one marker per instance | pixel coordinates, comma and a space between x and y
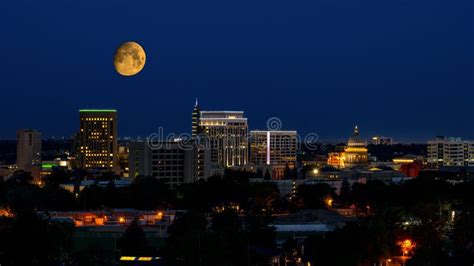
401, 68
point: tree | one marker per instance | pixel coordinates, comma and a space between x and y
149, 193
57, 177
259, 173
339, 248
313, 195
92, 197
267, 175
345, 193
52, 197
28, 239
108, 176
227, 221
260, 235
294, 172
463, 238
288, 174
134, 242
20, 178
112, 196
183, 246
94, 256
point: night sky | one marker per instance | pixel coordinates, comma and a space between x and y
401, 68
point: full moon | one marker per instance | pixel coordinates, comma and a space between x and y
129, 59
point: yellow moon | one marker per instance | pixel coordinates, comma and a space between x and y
129, 59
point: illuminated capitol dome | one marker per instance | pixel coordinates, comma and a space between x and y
354, 155
355, 140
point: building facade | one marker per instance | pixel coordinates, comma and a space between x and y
28, 149
139, 158
227, 134
175, 162
274, 148
196, 128
450, 152
97, 147
380, 140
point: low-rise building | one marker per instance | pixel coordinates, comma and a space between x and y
173, 161
381, 140
450, 152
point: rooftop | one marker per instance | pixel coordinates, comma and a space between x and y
97, 111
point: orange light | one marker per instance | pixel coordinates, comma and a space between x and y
121, 220
407, 246
329, 202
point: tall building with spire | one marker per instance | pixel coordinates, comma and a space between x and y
196, 129
226, 132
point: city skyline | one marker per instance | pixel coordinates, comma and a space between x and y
338, 137
317, 66
270, 132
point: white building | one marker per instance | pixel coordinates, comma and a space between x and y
227, 133
450, 152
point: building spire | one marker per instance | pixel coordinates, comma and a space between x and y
356, 130
196, 104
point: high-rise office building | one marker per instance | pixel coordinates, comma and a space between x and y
139, 158
227, 135
273, 147
276, 149
123, 154
173, 161
28, 149
450, 152
97, 147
